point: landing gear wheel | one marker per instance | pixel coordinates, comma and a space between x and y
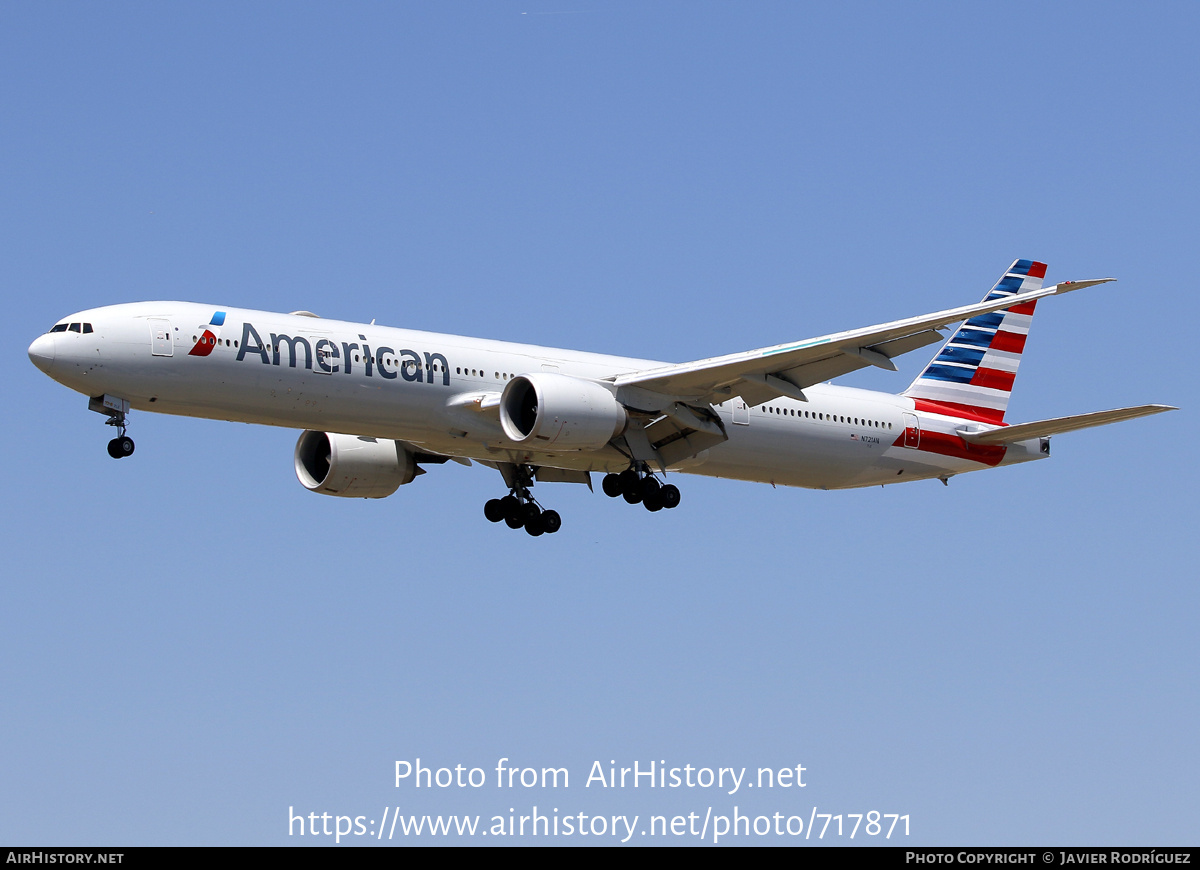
120, 447
519, 509
611, 485
633, 496
629, 483
669, 495
650, 488
653, 502
510, 508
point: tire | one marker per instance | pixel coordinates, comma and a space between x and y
114, 448
611, 485
494, 510
551, 522
535, 527
653, 502
126, 445
531, 513
511, 509
629, 482
632, 496
669, 495
650, 488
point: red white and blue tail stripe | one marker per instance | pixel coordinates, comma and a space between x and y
973, 373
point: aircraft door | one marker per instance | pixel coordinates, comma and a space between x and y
741, 413
325, 355
162, 343
912, 431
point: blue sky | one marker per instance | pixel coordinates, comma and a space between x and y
194, 644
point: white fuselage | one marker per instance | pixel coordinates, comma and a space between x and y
431, 391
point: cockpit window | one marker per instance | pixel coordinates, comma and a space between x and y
87, 327
59, 327
75, 327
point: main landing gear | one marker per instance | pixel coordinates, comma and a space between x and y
637, 484
519, 509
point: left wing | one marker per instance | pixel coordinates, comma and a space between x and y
786, 369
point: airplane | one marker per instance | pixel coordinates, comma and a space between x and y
377, 404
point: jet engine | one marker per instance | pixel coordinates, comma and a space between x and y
555, 412
352, 466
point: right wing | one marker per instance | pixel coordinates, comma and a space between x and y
786, 369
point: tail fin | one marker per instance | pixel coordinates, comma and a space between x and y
973, 373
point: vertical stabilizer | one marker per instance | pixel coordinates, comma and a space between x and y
972, 375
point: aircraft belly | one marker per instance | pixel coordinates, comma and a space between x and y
281, 396
812, 456
785, 452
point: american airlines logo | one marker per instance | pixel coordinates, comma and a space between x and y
208, 338
333, 357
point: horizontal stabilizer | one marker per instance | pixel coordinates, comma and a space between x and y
1067, 286
1058, 425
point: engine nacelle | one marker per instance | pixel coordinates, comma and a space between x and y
352, 466
555, 412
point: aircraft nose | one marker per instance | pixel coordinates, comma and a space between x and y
41, 352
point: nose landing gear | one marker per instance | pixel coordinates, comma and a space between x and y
116, 410
120, 447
